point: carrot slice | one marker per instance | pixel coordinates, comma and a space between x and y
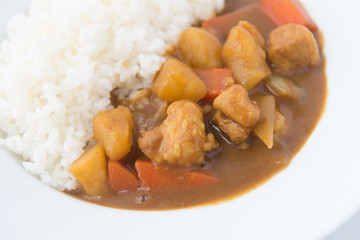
121, 178
160, 177
216, 81
288, 11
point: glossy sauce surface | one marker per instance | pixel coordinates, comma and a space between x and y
239, 170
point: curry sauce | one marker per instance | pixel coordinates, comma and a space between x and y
239, 167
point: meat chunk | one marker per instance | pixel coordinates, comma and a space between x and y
235, 131
245, 58
235, 103
293, 47
281, 126
150, 143
236, 113
181, 138
200, 49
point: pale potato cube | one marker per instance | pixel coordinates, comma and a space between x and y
177, 81
245, 58
200, 49
90, 170
113, 130
254, 32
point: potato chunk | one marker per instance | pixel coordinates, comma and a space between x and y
181, 138
90, 171
235, 103
293, 47
254, 32
113, 130
245, 57
200, 49
177, 81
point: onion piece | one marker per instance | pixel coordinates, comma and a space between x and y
284, 87
264, 129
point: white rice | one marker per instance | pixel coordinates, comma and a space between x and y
59, 64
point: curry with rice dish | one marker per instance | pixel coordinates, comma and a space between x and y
236, 99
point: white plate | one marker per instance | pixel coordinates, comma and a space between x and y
314, 195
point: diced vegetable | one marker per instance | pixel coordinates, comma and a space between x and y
200, 49
254, 32
177, 81
284, 87
216, 81
121, 178
159, 177
288, 11
159, 115
264, 129
113, 130
245, 58
90, 170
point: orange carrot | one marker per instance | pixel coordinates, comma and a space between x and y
121, 178
160, 177
288, 11
216, 81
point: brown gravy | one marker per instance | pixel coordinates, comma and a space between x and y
239, 170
